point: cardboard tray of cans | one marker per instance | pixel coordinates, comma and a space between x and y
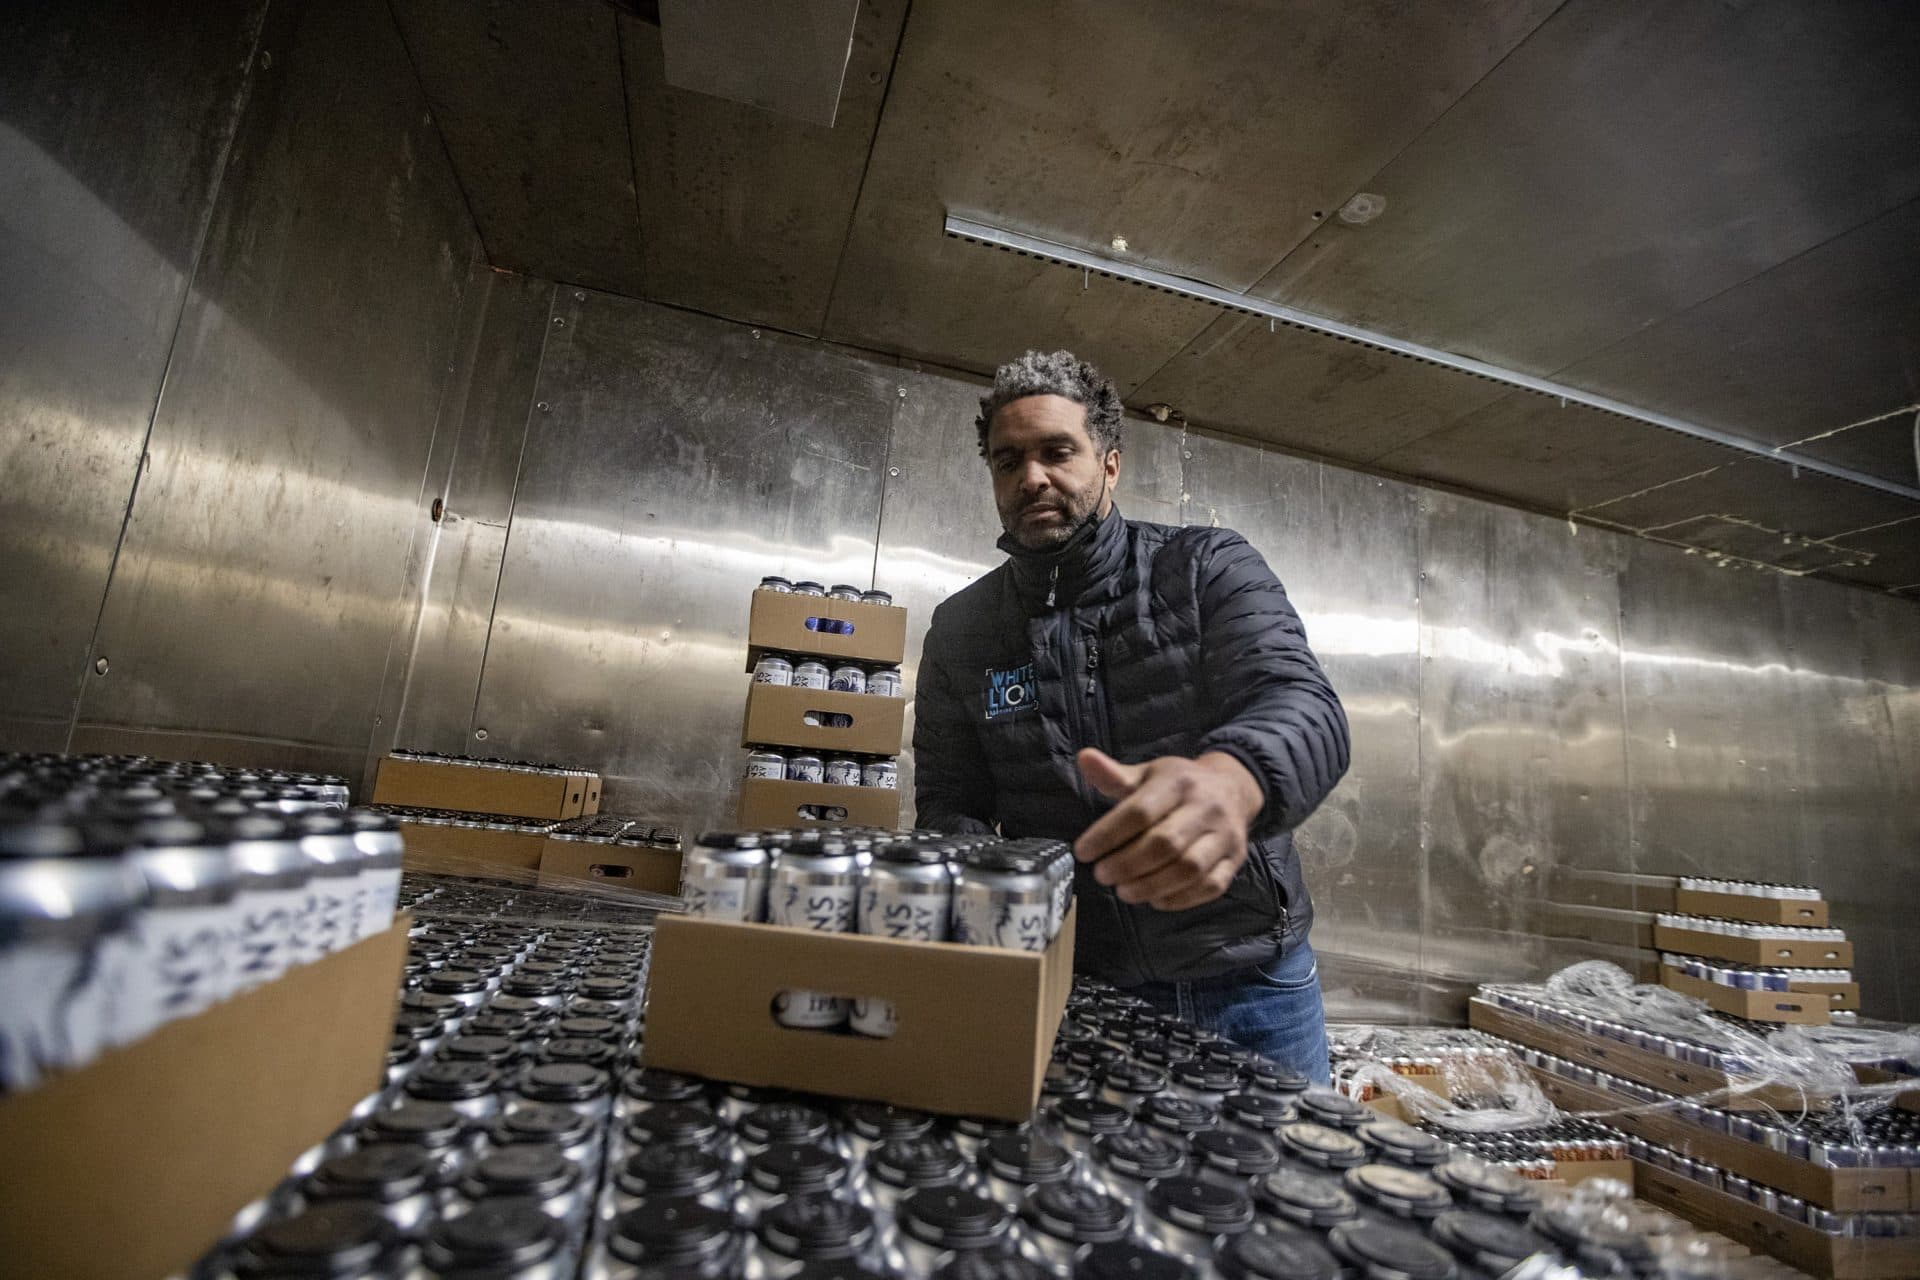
608, 851
823, 720
467, 843
485, 786
783, 623
1838, 995
1670, 1075
1807, 1247
1759, 1006
127, 1167
1753, 908
773, 802
1785, 952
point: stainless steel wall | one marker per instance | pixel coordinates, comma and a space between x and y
245, 257
1528, 697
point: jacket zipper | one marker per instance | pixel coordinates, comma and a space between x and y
1053, 585
1101, 737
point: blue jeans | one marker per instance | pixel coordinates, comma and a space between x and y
1273, 1009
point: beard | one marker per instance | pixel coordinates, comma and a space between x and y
1074, 512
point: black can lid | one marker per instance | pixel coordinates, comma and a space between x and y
455, 981
447, 1081
428, 1124
382, 1171
1024, 1157
607, 988
416, 1024
672, 1171
1092, 1115
479, 1048
786, 1168
1380, 1252
1237, 1152
1172, 1113
984, 1127
1399, 1191
524, 1169
1312, 1200
1065, 1080
578, 1028
440, 1006
1077, 1213
951, 1217
1206, 1075
576, 1049
916, 1162
1159, 1051
1276, 1251
1319, 1145
1273, 1077
877, 1121
1226, 1051
1140, 1154
543, 1122
1404, 1144
1095, 1053
615, 1011
1074, 1031
838, 1269
670, 1229
910, 852
1324, 1106
784, 1122
651, 1084
564, 1082
1486, 1240
816, 1226
337, 1239
1487, 1186
511, 1025
987, 1266
1133, 1077
1258, 1110
1124, 1260
677, 1123
1199, 1205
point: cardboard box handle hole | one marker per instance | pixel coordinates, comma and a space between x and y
821, 813
609, 870
830, 626
830, 1010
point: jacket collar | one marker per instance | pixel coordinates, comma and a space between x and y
1086, 566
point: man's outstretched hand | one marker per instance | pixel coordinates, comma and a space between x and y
1179, 831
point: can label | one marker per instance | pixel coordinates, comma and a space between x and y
985, 917
805, 769
809, 1009
823, 908
272, 936
887, 912
59, 1010
383, 898
777, 671
742, 899
875, 1018
185, 966
843, 773
848, 680
810, 675
880, 773
766, 766
884, 684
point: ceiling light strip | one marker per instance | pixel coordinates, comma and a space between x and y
982, 233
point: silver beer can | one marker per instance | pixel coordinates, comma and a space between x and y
724, 877
763, 762
844, 591
884, 682
382, 850
187, 926
815, 885
880, 773
843, 772
876, 596
773, 669
908, 893
1002, 899
274, 908
805, 767
775, 583
810, 675
807, 588
847, 679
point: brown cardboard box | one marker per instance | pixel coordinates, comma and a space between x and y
1843, 1190
470, 850
132, 1167
571, 863
976, 1024
1740, 906
472, 788
1838, 995
1790, 955
776, 717
778, 622
1761, 1006
765, 802
1795, 1243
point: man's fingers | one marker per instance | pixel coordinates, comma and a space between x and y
1108, 776
1206, 889
1152, 802
1192, 858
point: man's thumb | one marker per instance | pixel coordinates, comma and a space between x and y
1108, 776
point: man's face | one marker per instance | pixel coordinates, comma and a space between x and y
1048, 476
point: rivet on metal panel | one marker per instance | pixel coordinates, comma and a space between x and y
480, 734
755, 332
438, 510
542, 406
1186, 453
901, 392
559, 322
579, 295
893, 471
1119, 244
266, 60
100, 666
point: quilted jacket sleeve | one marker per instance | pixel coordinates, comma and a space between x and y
952, 790
1279, 716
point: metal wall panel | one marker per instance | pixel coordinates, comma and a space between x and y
679, 460
1521, 766
1345, 547
114, 125
264, 572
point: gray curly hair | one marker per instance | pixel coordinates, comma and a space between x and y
1057, 373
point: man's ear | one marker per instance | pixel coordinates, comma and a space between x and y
1112, 466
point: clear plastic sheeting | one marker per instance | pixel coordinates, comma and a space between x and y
1455, 1079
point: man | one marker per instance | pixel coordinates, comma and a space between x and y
1147, 693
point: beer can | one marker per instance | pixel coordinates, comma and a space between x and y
402, 1182
843, 772
810, 675
876, 596
773, 669
314, 1242
669, 1235
333, 889
382, 849
187, 925
724, 877
805, 767
537, 1242
775, 583
880, 773
907, 893
936, 1223
884, 682
1186, 1216
815, 885
848, 679
764, 762
272, 875
1002, 899
844, 591
808, 588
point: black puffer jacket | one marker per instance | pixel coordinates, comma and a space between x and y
1143, 640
